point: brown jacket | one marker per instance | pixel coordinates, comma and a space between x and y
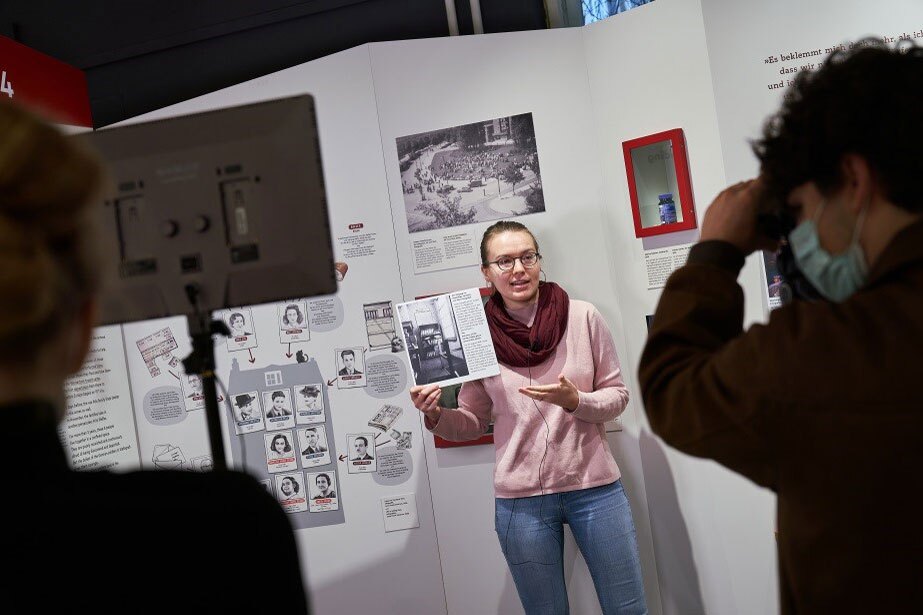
823, 405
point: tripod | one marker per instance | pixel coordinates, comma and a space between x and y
201, 361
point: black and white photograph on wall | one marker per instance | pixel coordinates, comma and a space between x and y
775, 288
267, 485
293, 322
193, 396
248, 414
240, 322
379, 325
350, 367
323, 492
385, 417
280, 452
309, 403
433, 343
278, 405
312, 442
470, 173
361, 447
292, 492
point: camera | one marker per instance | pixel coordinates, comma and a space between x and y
775, 221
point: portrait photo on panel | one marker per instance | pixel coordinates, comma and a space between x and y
278, 408
243, 334
351, 367
309, 403
293, 322
312, 442
323, 492
291, 492
248, 415
193, 395
280, 452
361, 457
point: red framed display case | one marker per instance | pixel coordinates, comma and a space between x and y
659, 184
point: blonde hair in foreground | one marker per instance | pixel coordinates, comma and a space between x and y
49, 260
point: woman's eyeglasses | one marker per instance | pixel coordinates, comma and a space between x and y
528, 260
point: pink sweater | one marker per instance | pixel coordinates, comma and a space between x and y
578, 455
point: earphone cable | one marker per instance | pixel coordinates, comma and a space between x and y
545, 454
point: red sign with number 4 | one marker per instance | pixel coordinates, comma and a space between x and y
52, 88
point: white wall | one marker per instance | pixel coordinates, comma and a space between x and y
705, 534
741, 35
712, 530
431, 84
354, 567
701, 68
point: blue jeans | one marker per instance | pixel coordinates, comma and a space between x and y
531, 533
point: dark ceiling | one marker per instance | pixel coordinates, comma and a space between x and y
141, 55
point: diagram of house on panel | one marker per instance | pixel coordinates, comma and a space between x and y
293, 394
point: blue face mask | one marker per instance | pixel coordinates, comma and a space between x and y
835, 276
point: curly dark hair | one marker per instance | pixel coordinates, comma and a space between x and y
863, 100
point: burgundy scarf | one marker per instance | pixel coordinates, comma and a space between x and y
520, 346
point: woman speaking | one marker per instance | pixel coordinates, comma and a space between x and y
559, 382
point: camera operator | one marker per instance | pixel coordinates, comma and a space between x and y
96, 541
822, 404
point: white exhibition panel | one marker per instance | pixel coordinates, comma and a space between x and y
743, 35
356, 565
705, 534
430, 84
712, 529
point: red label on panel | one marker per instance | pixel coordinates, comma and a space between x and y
52, 88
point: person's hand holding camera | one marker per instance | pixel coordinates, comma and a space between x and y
732, 217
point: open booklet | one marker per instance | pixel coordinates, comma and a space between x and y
447, 339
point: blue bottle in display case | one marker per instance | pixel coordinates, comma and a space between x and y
667, 208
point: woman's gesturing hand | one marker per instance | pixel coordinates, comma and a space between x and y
564, 393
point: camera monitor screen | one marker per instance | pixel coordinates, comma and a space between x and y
231, 201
